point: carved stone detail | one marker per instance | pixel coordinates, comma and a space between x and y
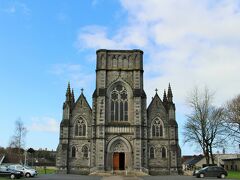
119, 147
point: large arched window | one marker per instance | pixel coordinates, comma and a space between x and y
85, 151
80, 127
164, 152
119, 103
157, 128
151, 153
73, 151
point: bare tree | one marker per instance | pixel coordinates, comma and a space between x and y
233, 118
216, 132
204, 125
18, 139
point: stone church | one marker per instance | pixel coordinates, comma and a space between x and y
119, 132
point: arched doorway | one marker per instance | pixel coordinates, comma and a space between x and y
118, 161
119, 154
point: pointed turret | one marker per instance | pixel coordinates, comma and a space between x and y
164, 96
68, 93
169, 95
73, 98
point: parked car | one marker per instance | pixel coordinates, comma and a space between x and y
33, 171
27, 171
211, 171
6, 172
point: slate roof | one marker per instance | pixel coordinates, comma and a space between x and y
231, 159
194, 160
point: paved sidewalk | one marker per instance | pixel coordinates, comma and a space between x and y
81, 177
121, 178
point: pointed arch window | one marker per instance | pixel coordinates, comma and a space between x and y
73, 151
151, 153
80, 127
85, 151
157, 128
119, 104
76, 129
164, 152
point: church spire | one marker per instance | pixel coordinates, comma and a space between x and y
169, 95
68, 93
73, 98
164, 96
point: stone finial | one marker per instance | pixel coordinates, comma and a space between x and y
68, 93
164, 96
73, 98
169, 95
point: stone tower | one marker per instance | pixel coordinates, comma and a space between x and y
119, 132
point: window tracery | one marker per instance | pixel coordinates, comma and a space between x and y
157, 128
80, 127
119, 104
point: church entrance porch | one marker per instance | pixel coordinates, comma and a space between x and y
118, 161
118, 155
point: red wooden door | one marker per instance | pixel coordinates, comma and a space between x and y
116, 161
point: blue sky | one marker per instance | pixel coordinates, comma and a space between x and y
45, 44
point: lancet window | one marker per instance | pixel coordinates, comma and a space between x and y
164, 152
85, 151
151, 153
73, 151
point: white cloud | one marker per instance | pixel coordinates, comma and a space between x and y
96, 37
17, 7
187, 43
75, 73
44, 124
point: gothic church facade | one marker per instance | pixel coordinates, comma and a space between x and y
119, 132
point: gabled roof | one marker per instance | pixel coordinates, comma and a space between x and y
194, 160
156, 101
83, 98
186, 158
231, 159
94, 94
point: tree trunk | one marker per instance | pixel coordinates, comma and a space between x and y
207, 155
211, 154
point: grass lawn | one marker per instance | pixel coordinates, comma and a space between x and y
41, 170
233, 175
